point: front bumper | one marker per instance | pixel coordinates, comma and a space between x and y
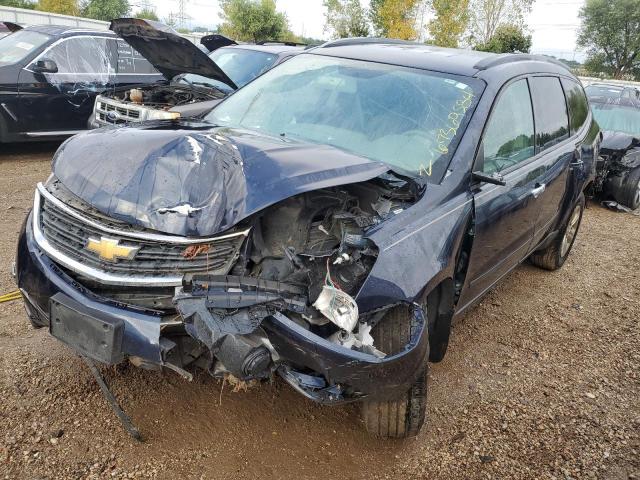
321, 370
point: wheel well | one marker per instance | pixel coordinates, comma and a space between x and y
440, 303
442, 299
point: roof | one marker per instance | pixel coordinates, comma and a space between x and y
61, 30
427, 57
613, 85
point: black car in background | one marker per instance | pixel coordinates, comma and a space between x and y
50, 76
326, 223
618, 167
195, 82
7, 28
606, 92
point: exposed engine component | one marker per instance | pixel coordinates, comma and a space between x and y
338, 306
161, 97
306, 257
152, 103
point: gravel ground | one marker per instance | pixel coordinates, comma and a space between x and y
542, 380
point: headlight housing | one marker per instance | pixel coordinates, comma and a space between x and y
161, 115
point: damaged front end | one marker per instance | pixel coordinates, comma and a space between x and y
288, 304
275, 293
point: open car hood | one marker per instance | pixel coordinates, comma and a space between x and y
216, 41
166, 50
10, 27
192, 179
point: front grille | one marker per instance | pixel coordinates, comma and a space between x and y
124, 112
70, 236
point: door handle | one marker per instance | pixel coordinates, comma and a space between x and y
539, 190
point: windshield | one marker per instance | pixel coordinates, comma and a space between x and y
408, 118
19, 45
240, 65
615, 118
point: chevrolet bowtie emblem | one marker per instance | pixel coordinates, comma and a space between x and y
109, 249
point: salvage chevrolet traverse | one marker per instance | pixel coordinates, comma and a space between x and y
325, 223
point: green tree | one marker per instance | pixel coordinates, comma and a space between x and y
399, 18
64, 7
450, 22
106, 9
375, 18
253, 20
148, 14
485, 16
507, 39
18, 4
346, 18
610, 31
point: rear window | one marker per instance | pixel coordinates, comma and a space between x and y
578, 106
19, 45
241, 65
550, 112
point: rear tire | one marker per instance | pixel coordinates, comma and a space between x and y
629, 193
554, 256
403, 417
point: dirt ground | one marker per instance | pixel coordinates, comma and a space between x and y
542, 380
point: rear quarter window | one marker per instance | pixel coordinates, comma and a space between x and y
550, 112
129, 61
578, 105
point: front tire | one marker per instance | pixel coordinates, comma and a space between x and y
629, 192
404, 416
554, 256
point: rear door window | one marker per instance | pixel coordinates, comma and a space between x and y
578, 106
550, 108
509, 137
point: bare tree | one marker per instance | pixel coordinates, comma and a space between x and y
486, 15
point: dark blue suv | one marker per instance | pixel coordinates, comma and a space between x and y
326, 223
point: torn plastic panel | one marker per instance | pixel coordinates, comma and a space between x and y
257, 338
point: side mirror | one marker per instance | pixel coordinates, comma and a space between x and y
45, 66
493, 179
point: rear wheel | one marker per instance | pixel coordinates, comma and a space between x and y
554, 256
629, 192
404, 416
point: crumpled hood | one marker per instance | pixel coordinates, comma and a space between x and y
619, 141
192, 179
166, 50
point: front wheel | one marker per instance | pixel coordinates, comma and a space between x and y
629, 192
404, 416
554, 256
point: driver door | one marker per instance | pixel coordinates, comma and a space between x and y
62, 101
505, 216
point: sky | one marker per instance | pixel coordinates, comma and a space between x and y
553, 24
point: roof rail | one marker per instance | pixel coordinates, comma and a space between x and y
504, 58
288, 44
343, 42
